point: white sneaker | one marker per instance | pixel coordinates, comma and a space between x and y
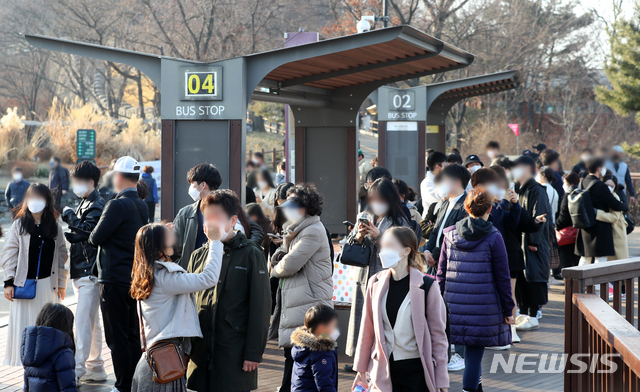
529, 324
520, 318
514, 335
95, 376
78, 382
499, 348
115, 389
539, 314
555, 282
456, 363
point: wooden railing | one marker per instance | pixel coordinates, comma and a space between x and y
597, 325
271, 158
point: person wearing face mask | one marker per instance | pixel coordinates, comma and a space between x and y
34, 248
473, 275
304, 266
595, 244
89, 363
315, 351
472, 163
384, 211
565, 232
152, 196
265, 192
16, 189
531, 284
234, 315
436, 161
617, 220
621, 171
165, 295
403, 321
585, 155
493, 150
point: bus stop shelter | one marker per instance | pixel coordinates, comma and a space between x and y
203, 105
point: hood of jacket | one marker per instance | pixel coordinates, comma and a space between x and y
40, 343
471, 231
305, 343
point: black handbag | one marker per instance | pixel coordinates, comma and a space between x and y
354, 254
631, 225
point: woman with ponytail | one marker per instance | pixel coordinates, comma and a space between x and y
402, 342
473, 274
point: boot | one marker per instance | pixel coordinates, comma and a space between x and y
479, 388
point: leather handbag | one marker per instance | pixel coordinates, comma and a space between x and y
567, 236
28, 291
354, 254
164, 357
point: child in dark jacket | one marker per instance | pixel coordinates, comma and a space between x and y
314, 353
48, 350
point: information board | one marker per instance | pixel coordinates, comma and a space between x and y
85, 144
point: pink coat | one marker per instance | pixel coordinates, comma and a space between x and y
371, 354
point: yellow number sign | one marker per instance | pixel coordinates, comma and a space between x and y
202, 83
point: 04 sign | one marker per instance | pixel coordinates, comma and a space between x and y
201, 83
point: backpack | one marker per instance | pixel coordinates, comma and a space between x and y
583, 215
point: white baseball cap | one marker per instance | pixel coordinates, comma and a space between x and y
618, 149
127, 165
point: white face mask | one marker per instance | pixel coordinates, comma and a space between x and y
17, 177
539, 178
493, 189
610, 189
474, 169
256, 161
335, 334
238, 226
566, 187
389, 257
603, 171
80, 189
491, 154
36, 205
585, 158
517, 173
379, 208
501, 193
262, 184
443, 189
194, 192
291, 214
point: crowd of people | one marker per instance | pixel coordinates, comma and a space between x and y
466, 262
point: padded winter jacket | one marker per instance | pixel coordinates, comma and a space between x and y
48, 360
315, 362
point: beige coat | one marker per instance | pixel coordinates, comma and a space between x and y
267, 202
305, 274
619, 228
15, 257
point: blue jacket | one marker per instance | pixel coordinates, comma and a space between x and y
48, 360
15, 193
153, 187
315, 366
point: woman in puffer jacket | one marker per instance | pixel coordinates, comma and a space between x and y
473, 274
304, 266
48, 351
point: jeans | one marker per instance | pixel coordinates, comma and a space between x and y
120, 315
88, 329
472, 368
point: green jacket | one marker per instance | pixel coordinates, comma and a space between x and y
234, 318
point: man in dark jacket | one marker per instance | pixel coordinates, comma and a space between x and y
551, 158
84, 177
581, 166
115, 234
202, 179
16, 189
234, 315
531, 285
58, 181
595, 243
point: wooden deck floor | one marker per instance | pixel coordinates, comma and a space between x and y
548, 339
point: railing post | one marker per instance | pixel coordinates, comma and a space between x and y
273, 160
568, 328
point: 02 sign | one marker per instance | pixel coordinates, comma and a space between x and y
201, 83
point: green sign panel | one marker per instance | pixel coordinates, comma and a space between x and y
86, 144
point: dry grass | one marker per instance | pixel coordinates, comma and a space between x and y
13, 140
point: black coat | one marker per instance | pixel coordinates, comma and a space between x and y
457, 214
597, 241
115, 234
83, 256
579, 167
533, 198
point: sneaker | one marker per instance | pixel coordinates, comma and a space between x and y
456, 363
539, 314
499, 348
95, 376
514, 335
555, 282
115, 389
520, 318
78, 382
529, 324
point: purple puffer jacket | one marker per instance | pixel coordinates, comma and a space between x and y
474, 280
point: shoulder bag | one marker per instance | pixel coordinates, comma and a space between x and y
354, 254
28, 291
164, 357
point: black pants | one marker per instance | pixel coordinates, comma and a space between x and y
120, 317
152, 210
407, 375
288, 371
530, 295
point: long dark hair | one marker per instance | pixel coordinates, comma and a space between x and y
388, 192
59, 317
264, 173
278, 218
49, 214
244, 220
150, 244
